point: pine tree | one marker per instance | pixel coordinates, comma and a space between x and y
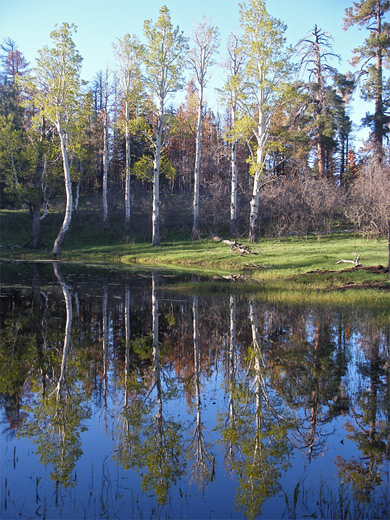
315, 51
373, 56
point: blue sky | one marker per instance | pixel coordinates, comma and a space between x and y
101, 22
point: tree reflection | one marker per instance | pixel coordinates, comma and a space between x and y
231, 383
308, 372
127, 342
287, 377
261, 432
62, 389
23, 342
369, 426
105, 360
153, 442
40, 324
203, 461
235, 418
55, 416
321, 388
135, 405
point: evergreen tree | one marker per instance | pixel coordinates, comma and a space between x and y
14, 67
25, 139
315, 51
344, 85
373, 56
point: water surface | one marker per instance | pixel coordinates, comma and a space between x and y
124, 397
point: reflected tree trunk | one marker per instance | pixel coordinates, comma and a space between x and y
314, 398
105, 348
232, 371
370, 426
38, 310
61, 384
160, 434
156, 351
258, 371
127, 341
156, 359
203, 467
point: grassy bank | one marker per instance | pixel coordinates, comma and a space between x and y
306, 262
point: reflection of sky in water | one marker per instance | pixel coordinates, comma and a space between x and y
102, 488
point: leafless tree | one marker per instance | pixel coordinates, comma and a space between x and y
369, 201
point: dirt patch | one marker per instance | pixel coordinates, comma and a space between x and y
376, 269
367, 284
364, 285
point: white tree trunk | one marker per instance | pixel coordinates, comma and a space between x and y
262, 137
198, 153
234, 181
156, 187
77, 197
128, 172
105, 171
255, 202
68, 189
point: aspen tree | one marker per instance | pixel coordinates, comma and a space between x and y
57, 91
264, 89
164, 58
200, 58
231, 92
128, 56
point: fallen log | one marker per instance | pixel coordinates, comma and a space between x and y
252, 265
242, 248
355, 261
230, 277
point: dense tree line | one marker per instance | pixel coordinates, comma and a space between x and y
278, 158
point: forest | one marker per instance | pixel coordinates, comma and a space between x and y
278, 159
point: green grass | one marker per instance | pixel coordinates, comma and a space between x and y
288, 259
306, 264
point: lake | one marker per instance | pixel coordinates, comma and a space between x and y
127, 394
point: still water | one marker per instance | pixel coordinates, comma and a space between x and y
123, 396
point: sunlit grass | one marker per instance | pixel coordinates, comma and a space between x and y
296, 268
273, 260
